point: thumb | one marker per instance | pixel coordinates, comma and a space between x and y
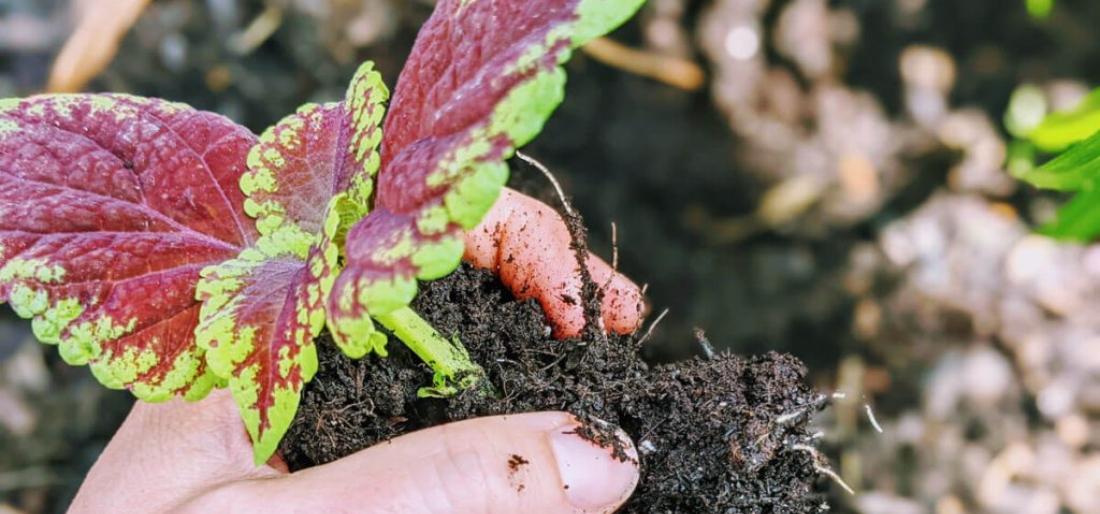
532, 463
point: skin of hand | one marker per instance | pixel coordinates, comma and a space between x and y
185, 458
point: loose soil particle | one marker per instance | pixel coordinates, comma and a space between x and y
714, 436
515, 464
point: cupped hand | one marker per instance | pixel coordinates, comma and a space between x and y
180, 457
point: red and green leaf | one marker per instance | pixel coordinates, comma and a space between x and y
309, 179
480, 82
110, 206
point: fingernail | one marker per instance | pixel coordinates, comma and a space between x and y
597, 474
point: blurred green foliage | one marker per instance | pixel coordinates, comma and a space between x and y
1076, 170
1059, 130
1040, 9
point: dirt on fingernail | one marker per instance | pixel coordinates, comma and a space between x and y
606, 436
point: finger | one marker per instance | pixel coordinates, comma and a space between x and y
526, 243
530, 463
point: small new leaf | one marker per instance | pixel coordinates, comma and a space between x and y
110, 205
309, 179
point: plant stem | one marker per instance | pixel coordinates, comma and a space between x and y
452, 365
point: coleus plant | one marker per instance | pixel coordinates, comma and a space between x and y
174, 252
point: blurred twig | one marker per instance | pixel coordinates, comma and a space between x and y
673, 71
261, 28
94, 42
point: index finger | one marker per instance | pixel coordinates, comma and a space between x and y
527, 244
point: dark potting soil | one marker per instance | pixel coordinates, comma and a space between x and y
718, 435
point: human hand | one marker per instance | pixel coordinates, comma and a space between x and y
183, 457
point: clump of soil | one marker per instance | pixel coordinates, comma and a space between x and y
714, 435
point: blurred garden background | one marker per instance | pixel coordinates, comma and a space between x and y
830, 178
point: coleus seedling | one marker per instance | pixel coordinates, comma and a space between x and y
173, 251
